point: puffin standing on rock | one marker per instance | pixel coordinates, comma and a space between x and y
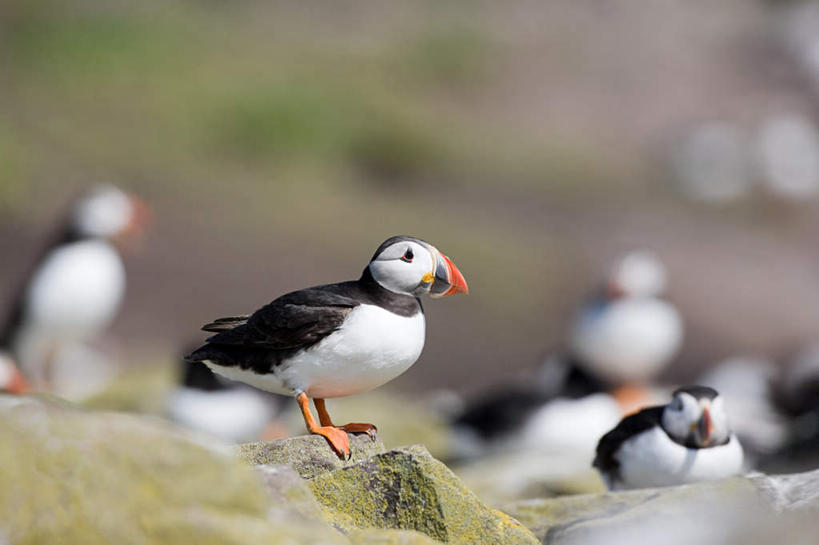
339, 339
686, 441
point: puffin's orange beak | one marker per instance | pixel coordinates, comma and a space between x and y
705, 426
448, 279
141, 216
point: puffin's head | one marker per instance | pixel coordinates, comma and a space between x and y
696, 417
110, 213
11, 381
637, 274
410, 266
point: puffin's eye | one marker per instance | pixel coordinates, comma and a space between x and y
408, 255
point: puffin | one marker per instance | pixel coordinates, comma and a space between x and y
75, 288
628, 333
208, 403
685, 441
336, 340
620, 339
11, 380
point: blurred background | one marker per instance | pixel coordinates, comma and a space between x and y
279, 143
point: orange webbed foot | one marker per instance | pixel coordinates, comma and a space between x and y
337, 438
358, 427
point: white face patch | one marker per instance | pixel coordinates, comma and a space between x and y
105, 212
401, 268
682, 415
639, 274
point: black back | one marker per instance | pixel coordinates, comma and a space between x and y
294, 322
630, 426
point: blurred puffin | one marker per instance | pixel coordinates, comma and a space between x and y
210, 404
627, 334
619, 341
76, 287
686, 441
339, 339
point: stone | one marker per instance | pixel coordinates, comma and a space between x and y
390, 537
751, 509
290, 497
308, 455
77, 477
408, 489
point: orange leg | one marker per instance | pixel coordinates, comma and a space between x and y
352, 427
336, 437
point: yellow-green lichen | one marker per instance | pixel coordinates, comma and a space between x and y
408, 489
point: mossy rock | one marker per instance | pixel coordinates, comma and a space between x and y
308, 455
408, 489
76, 477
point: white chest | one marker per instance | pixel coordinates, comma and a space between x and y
77, 290
372, 347
653, 459
628, 340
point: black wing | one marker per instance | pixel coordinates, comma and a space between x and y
291, 323
630, 426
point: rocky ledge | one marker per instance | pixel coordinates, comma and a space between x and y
76, 476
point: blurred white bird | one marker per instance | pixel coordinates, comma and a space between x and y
225, 409
74, 290
628, 334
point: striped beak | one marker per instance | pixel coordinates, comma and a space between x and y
448, 279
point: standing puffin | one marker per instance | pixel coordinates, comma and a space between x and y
338, 339
627, 334
76, 287
686, 441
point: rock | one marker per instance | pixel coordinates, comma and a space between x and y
408, 489
503, 477
308, 455
291, 498
752, 509
76, 477
390, 537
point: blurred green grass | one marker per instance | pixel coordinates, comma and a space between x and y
185, 88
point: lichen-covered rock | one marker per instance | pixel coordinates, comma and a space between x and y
308, 455
290, 497
753, 509
76, 477
408, 489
